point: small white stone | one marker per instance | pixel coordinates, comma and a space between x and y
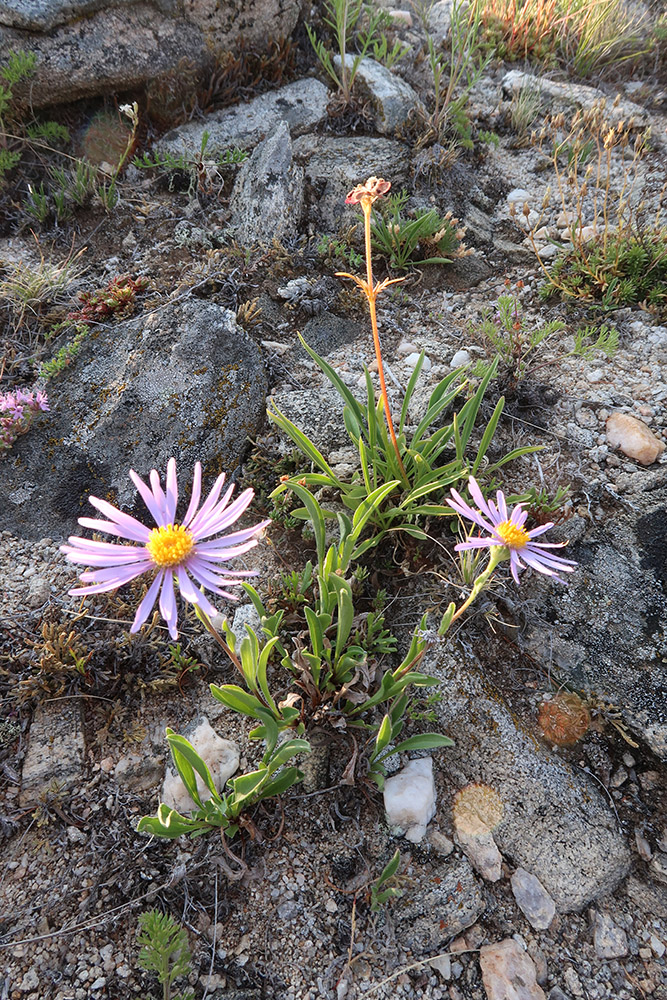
519, 195
409, 798
657, 947
99, 983
442, 965
406, 347
609, 939
412, 359
508, 972
459, 359
633, 438
548, 252
222, 758
482, 853
533, 899
401, 17
331, 906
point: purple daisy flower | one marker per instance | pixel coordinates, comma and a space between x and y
177, 551
507, 531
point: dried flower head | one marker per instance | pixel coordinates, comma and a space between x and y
478, 809
174, 552
564, 718
366, 194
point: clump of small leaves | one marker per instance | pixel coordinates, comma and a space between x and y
65, 354
625, 268
117, 299
384, 888
165, 951
15, 134
510, 333
413, 240
202, 170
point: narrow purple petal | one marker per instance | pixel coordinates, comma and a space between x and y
478, 497
457, 503
193, 594
216, 515
158, 493
222, 555
519, 516
132, 528
210, 502
515, 565
196, 494
148, 498
115, 576
502, 505
147, 602
172, 490
225, 541
477, 543
540, 531
168, 604
114, 529
209, 576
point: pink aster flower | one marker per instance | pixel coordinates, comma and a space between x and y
506, 531
177, 553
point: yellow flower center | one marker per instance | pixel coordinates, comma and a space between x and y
169, 545
513, 536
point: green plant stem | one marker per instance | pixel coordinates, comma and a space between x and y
496, 555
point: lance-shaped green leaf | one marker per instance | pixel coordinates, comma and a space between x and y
187, 762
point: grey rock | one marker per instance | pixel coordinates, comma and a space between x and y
88, 47
253, 20
508, 973
184, 381
328, 332
43, 15
55, 757
39, 591
556, 823
334, 166
649, 899
609, 940
439, 907
439, 20
557, 994
572, 95
392, 98
138, 772
316, 412
244, 615
302, 105
267, 199
609, 637
533, 899
111, 49
478, 224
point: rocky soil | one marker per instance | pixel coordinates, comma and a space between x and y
566, 898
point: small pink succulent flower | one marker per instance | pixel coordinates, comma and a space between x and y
175, 552
366, 194
506, 530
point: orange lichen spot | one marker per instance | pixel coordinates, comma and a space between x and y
478, 809
564, 718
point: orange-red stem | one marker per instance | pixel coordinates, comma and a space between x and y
371, 295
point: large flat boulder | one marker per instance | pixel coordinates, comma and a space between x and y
86, 48
183, 381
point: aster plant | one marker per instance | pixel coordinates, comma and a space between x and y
177, 553
507, 540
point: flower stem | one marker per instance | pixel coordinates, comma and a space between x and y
371, 295
496, 555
